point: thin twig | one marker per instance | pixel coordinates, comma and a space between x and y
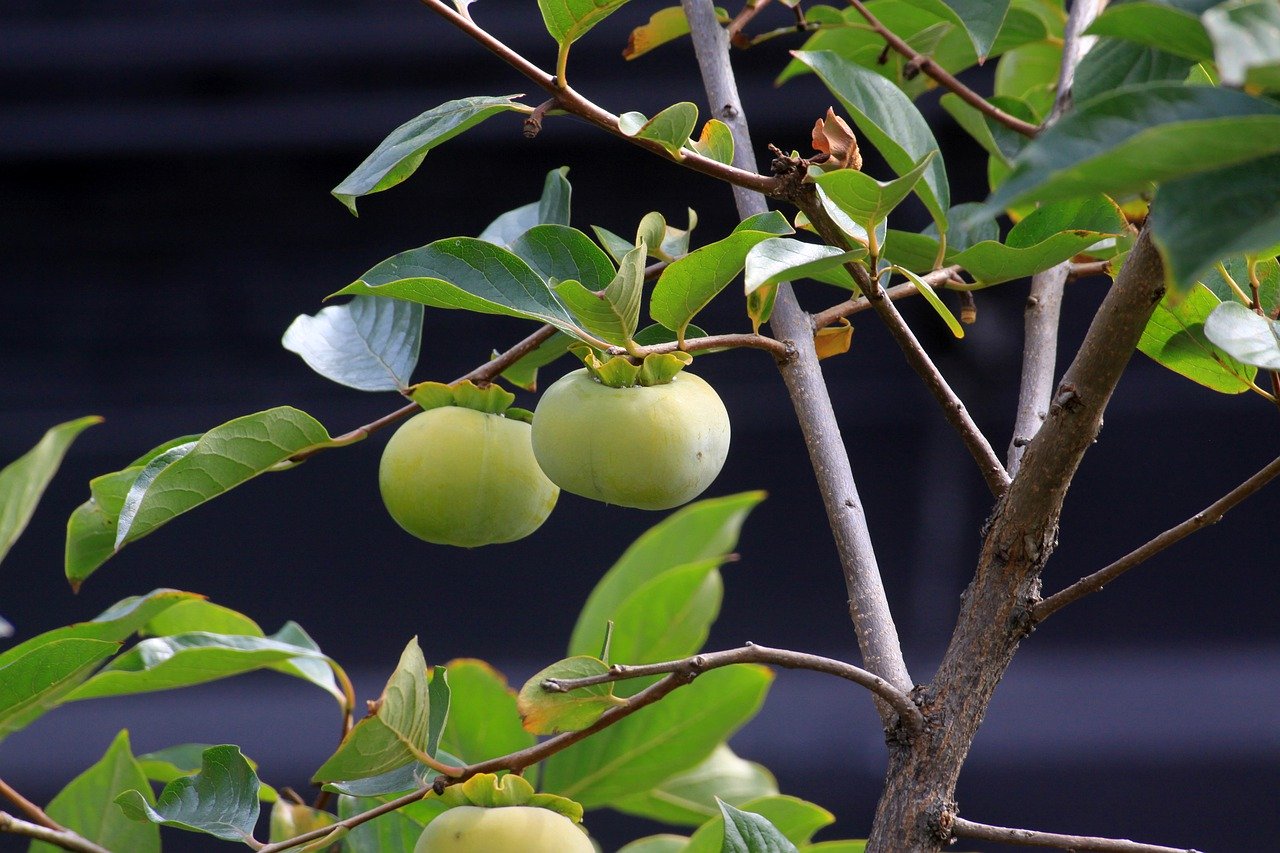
29, 808
961, 828
908, 713
942, 76
1089, 268
740, 20
868, 605
1211, 514
1044, 304
64, 838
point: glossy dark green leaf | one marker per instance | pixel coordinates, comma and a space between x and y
569, 20
667, 737
703, 530
184, 759
399, 155
1246, 42
888, 119
401, 780
689, 283
784, 259
748, 832
552, 208
484, 721
1245, 335
23, 481
440, 699
981, 19
1113, 63
563, 253
1120, 142
368, 344
1199, 220
395, 732
796, 820
524, 373
86, 805
465, 273
221, 800
689, 798
1158, 25
41, 676
1175, 337
670, 128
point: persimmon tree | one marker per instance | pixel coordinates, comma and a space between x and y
1139, 142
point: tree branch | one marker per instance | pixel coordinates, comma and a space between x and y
1044, 304
961, 828
857, 304
908, 713
64, 838
868, 604
29, 808
942, 76
1211, 514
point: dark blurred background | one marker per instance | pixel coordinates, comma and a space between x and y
166, 169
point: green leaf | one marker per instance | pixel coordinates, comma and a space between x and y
86, 805
981, 19
689, 283
221, 800
1267, 271
569, 20
670, 128
1246, 42
889, 120
395, 732
613, 314
368, 344
997, 140
1157, 25
289, 820
1030, 74
562, 253
197, 614
703, 530
524, 373
664, 25
1116, 63
1120, 142
715, 142
935, 302
23, 481
748, 832
1175, 337
864, 199
783, 259
1244, 335
665, 843
771, 221
667, 737
796, 820
465, 273
440, 700
399, 155
484, 722
401, 780
546, 712
393, 832
40, 676
689, 798
1199, 220
843, 846
552, 208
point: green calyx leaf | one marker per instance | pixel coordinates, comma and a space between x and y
490, 399
619, 371
490, 791
661, 368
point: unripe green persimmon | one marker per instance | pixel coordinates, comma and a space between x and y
649, 447
456, 476
527, 829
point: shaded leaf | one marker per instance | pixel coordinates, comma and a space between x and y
1113, 63
546, 712
689, 798
484, 722
1246, 42
1029, 73
552, 208
289, 819
399, 155
1159, 25
23, 481
982, 19
665, 843
393, 832
1175, 337
368, 344
221, 800
563, 253
1246, 336
40, 677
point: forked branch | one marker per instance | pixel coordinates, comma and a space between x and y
961, 828
64, 838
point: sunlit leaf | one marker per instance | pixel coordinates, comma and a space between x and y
1245, 335
1175, 337
689, 283
547, 712
569, 20
715, 141
1158, 25
670, 128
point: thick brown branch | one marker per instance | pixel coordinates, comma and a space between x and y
961, 828
942, 76
1211, 514
908, 713
64, 838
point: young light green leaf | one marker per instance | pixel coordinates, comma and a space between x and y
689, 798
796, 820
748, 832
24, 480
524, 373
670, 128
614, 314
399, 155
485, 722
222, 459
1199, 220
715, 141
563, 253
1246, 42
552, 208
40, 674
221, 800
1120, 142
546, 712
86, 804
1030, 74
569, 20
935, 302
395, 732
670, 736
290, 819
866, 200
1159, 25
465, 273
689, 283
981, 19
368, 344
1175, 338
783, 259
1245, 335
703, 530
889, 120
